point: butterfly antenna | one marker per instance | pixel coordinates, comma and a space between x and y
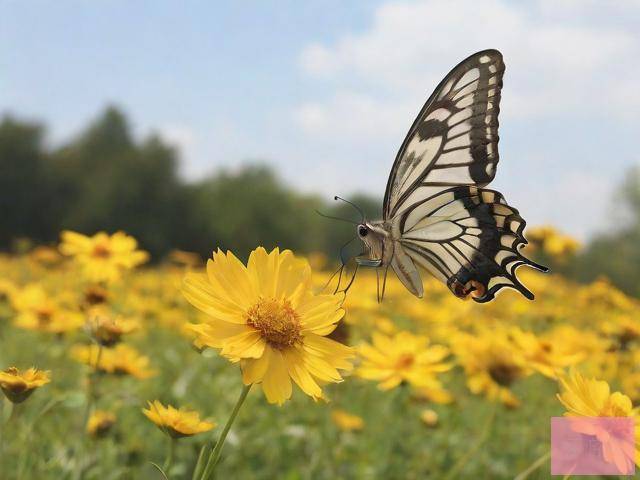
336, 218
362, 215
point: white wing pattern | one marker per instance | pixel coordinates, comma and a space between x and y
464, 235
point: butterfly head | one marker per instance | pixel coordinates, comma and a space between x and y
373, 238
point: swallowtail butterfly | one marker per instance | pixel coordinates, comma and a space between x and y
437, 215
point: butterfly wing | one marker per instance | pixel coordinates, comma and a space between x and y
454, 139
464, 235
470, 239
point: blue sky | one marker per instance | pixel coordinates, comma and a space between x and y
325, 90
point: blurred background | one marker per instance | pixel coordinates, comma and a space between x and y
196, 125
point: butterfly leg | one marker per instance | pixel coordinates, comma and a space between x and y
384, 282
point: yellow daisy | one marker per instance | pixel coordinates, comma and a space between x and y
346, 421
120, 360
18, 386
265, 316
547, 356
588, 397
492, 364
95, 295
429, 418
106, 328
100, 422
103, 257
403, 357
175, 422
36, 310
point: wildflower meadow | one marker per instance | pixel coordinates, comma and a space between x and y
114, 368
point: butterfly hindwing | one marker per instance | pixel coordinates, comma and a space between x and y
469, 238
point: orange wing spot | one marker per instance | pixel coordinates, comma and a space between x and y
475, 288
472, 288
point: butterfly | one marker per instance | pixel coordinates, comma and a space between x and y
437, 215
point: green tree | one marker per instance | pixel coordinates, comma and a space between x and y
108, 181
24, 187
251, 207
616, 255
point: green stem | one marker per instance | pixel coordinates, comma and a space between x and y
90, 388
15, 409
484, 434
214, 457
533, 467
169, 460
200, 463
91, 394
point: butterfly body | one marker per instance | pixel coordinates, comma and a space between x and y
437, 215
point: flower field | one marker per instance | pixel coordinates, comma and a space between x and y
115, 369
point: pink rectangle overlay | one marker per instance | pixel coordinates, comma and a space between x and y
592, 446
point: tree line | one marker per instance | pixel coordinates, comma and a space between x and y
105, 179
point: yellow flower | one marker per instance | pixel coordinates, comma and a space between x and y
429, 418
346, 421
588, 397
121, 360
45, 255
265, 316
435, 395
175, 422
107, 329
95, 295
186, 259
492, 364
552, 242
100, 422
403, 357
36, 310
384, 325
624, 329
7, 289
19, 386
547, 356
103, 257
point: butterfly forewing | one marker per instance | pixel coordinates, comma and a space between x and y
454, 139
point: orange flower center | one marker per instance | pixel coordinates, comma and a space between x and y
101, 251
404, 361
44, 314
277, 322
503, 374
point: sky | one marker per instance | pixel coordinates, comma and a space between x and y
325, 91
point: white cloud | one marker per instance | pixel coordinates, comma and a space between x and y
553, 67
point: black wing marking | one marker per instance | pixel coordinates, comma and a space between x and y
470, 239
454, 139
